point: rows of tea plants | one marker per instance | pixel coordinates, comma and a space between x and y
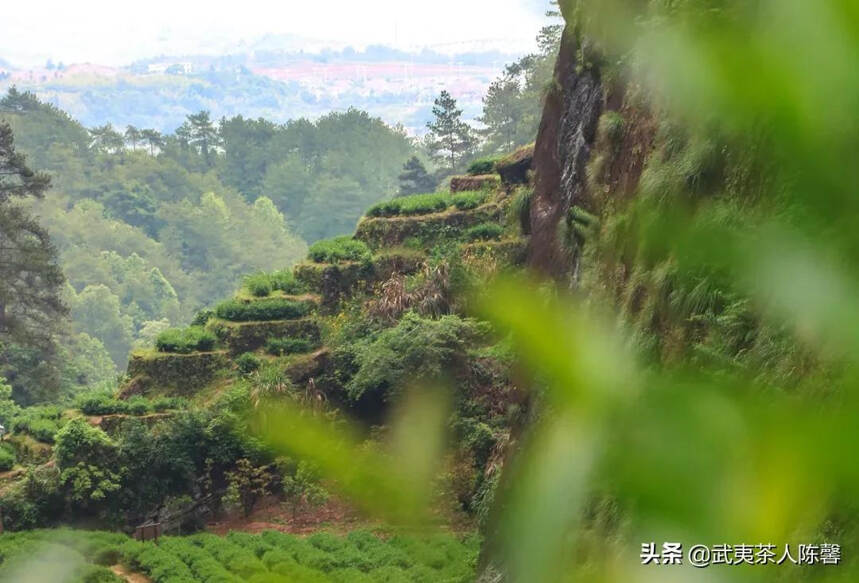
270, 557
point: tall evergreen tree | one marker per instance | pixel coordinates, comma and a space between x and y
106, 139
203, 134
132, 136
30, 279
450, 140
415, 179
153, 139
512, 107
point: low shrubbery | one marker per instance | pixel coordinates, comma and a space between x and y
271, 556
422, 204
483, 166
41, 423
263, 310
7, 459
466, 201
338, 250
286, 346
248, 363
263, 284
101, 403
417, 204
185, 340
484, 232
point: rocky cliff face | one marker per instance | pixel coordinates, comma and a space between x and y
567, 133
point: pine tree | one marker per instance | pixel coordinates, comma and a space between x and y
30, 279
415, 179
203, 134
153, 139
106, 139
132, 136
450, 140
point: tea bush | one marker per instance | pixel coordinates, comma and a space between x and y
483, 166
286, 346
268, 557
7, 459
466, 201
185, 340
248, 363
338, 250
100, 403
263, 284
263, 310
484, 232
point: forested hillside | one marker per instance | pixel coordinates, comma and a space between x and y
152, 228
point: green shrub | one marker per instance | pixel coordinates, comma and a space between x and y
285, 281
285, 346
483, 166
466, 201
41, 428
7, 459
484, 232
418, 204
185, 340
263, 310
99, 403
262, 284
137, 406
387, 208
422, 204
202, 317
339, 249
169, 403
259, 284
415, 348
248, 363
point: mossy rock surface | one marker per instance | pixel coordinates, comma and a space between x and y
474, 183
514, 169
241, 337
428, 229
180, 374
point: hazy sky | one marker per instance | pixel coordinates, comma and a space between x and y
117, 32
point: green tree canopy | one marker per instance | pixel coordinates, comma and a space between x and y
450, 140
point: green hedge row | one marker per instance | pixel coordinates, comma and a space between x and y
286, 346
99, 403
422, 204
338, 250
185, 340
263, 284
263, 310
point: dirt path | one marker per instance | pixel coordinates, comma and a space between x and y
131, 577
